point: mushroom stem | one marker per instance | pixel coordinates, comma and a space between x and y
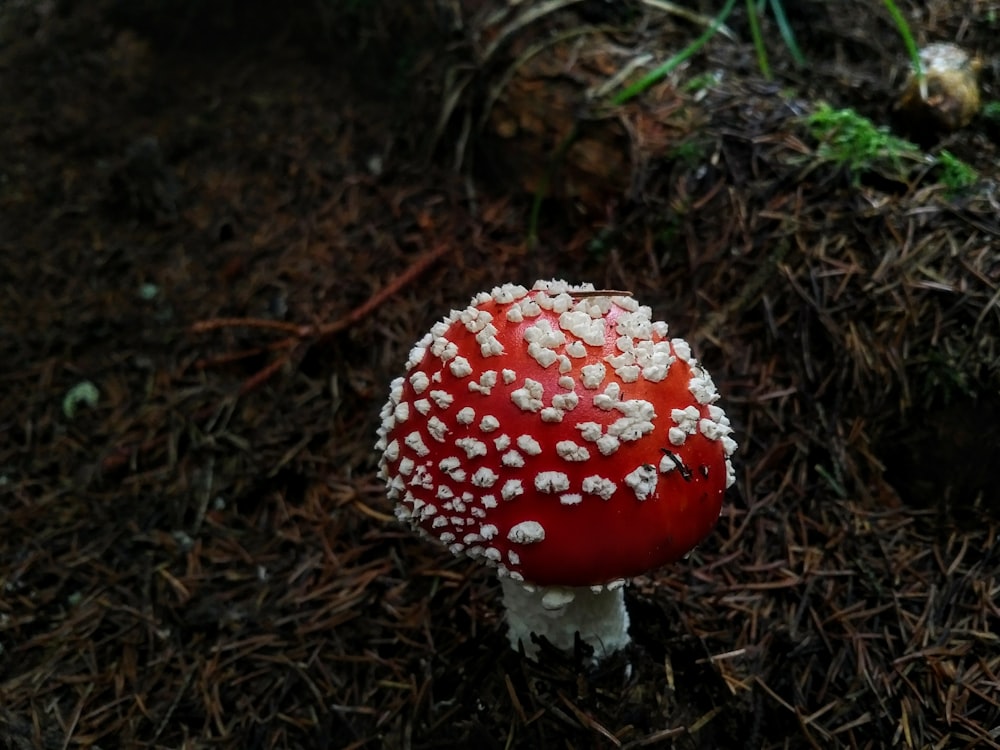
558, 613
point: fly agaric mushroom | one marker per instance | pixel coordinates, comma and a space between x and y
560, 437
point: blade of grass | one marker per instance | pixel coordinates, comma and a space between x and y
911, 45
657, 74
778, 10
758, 40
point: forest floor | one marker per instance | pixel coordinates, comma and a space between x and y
222, 227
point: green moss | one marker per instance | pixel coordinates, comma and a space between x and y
702, 82
852, 140
954, 173
689, 153
991, 110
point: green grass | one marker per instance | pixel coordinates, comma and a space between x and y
755, 12
753, 16
908, 41
662, 71
778, 11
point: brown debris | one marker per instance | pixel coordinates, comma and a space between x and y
233, 578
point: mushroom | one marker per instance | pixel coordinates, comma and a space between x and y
560, 437
946, 96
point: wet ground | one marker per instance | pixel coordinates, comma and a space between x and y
221, 230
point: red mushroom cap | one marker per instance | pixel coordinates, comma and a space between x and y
559, 435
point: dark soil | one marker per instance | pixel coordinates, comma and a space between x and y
223, 225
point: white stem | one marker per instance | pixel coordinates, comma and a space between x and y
558, 613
